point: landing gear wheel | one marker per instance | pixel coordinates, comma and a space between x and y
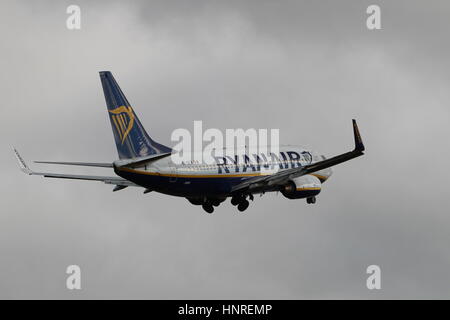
216, 203
243, 205
235, 201
311, 200
208, 207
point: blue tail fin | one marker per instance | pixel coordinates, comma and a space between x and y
131, 139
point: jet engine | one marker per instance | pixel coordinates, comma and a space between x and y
306, 186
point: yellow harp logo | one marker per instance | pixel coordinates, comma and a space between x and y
123, 125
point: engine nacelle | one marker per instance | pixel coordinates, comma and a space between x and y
302, 187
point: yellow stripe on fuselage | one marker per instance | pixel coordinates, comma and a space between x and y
192, 175
225, 175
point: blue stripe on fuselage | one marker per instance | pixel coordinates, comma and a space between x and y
183, 186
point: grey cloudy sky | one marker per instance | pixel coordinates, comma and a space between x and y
306, 67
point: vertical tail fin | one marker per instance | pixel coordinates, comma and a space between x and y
131, 139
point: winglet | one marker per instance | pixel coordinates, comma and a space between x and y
23, 166
359, 146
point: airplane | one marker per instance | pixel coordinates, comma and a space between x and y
145, 163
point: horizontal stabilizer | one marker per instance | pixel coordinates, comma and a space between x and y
119, 187
140, 161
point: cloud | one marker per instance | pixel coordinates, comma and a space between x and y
305, 68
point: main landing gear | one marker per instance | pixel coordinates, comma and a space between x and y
208, 207
207, 204
311, 200
241, 202
242, 206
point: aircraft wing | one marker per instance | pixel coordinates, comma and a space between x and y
108, 180
283, 176
86, 164
121, 162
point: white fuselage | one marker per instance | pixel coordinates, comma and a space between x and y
217, 174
